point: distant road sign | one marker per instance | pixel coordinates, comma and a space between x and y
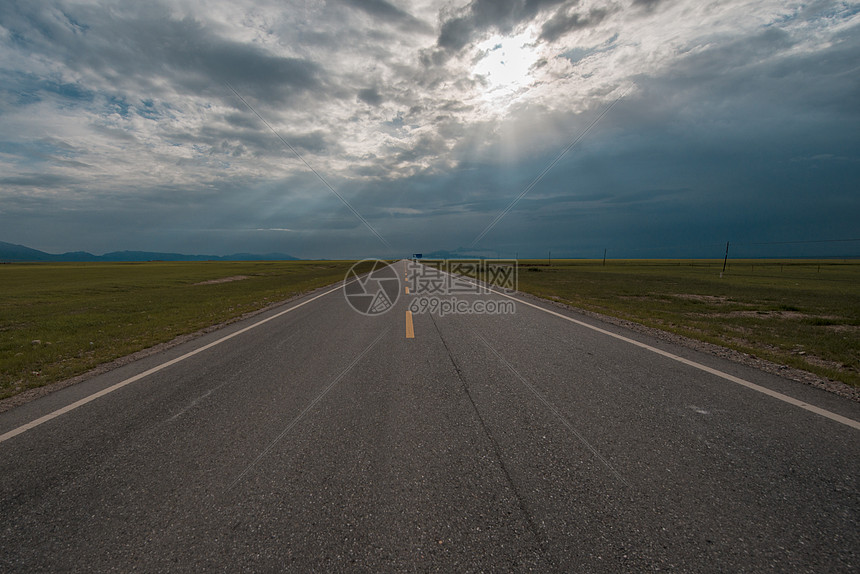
417, 256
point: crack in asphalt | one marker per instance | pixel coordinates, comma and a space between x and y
496, 449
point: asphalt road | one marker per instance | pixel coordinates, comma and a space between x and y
326, 440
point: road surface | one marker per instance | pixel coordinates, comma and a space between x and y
315, 438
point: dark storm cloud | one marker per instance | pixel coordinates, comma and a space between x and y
456, 33
386, 11
767, 75
481, 16
113, 133
565, 21
648, 4
41, 180
256, 139
138, 46
370, 96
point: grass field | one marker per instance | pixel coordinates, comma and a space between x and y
58, 320
801, 313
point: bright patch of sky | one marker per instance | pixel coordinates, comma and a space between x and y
505, 63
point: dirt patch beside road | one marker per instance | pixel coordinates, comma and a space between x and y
223, 280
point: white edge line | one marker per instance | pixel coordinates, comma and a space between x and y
52, 415
764, 390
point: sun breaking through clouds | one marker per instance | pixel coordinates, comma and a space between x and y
118, 129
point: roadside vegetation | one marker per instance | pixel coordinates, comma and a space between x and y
58, 320
800, 313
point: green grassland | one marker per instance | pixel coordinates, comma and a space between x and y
800, 313
58, 320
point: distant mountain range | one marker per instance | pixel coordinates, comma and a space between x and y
11, 252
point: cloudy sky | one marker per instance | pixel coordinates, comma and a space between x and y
353, 128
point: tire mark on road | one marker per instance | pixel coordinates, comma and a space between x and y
497, 451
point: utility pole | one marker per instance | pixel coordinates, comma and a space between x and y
549, 259
726, 260
604, 257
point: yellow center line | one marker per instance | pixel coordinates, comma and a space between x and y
410, 331
407, 289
